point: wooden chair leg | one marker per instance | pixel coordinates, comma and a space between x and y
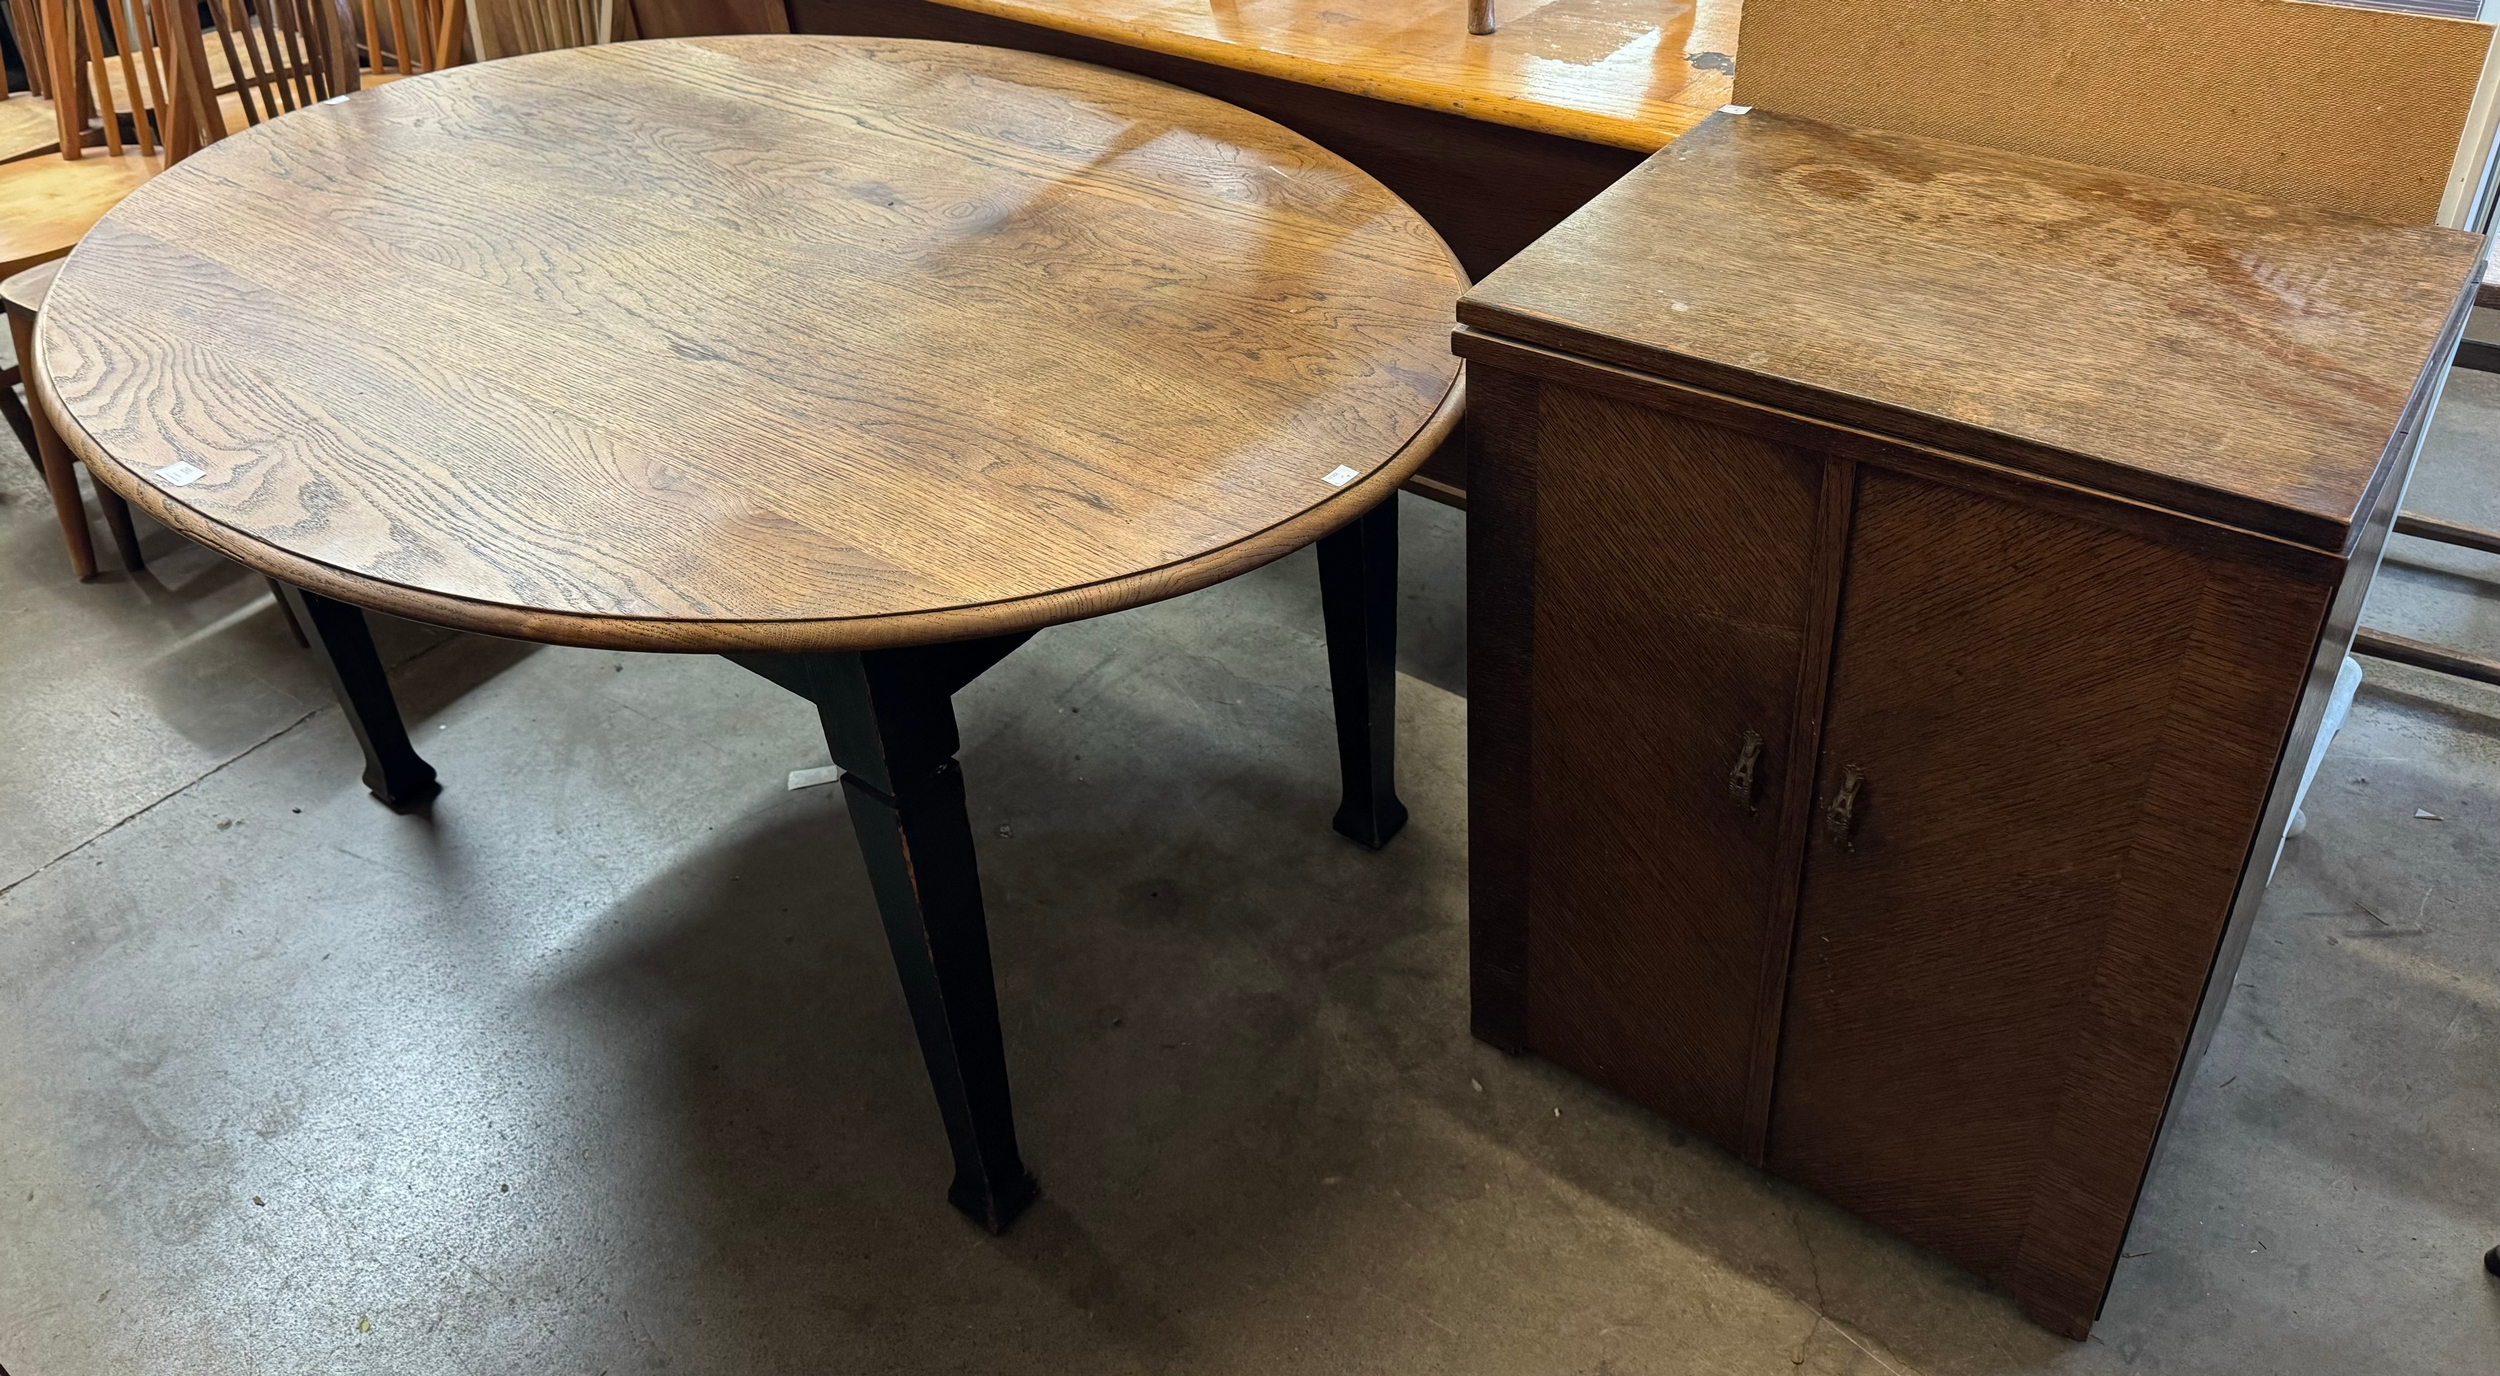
58, 475
1358, 593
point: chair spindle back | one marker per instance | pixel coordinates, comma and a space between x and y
508, 28
405, 37
162, 92
283, 54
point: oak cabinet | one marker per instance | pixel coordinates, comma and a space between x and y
1886, 694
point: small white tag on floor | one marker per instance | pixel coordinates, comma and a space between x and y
1340, 476
182, 473
810, 778
1736, 109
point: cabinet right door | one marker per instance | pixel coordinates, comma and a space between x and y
2060, 736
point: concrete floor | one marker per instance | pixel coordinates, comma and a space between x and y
602, 1067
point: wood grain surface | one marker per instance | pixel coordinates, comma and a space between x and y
47, 203
1685, 579
1489, 189
768, 342
1630, 73
2066, 734
1968, 1017
2189, 347
27, 127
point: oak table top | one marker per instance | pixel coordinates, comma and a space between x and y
768, 342
2185, 346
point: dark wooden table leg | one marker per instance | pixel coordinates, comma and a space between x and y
286, 608
890, 721
20, 423
338, 631
1358, 591
117, 520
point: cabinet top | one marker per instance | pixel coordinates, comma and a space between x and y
2189, 347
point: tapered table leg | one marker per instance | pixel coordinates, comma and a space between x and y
117, 520
286, 608
890, 721
338, 632
1358, 589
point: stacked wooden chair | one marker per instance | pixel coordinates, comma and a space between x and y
138, 85
407, 37
508, 28
135, 90
272, 56
27, 126
145, 122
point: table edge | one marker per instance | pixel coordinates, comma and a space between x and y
821, 635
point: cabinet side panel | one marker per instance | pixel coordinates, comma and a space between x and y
2063, 734
1672, 564
1501, 652
2241, 670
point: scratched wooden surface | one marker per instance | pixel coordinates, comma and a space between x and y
1631, 73
786, 342
2190, 347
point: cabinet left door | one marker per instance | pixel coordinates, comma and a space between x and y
1657, 570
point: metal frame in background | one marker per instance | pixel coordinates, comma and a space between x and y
2481, 356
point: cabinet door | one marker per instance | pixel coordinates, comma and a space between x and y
2062, 736
1671, 599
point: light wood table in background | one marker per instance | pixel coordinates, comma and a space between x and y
1494, 138
855, 360
1630, 73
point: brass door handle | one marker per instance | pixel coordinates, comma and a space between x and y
1841, 814
1740, 780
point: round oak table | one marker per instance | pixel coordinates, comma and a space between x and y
857, 361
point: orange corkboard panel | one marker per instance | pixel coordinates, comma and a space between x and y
2308, 104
